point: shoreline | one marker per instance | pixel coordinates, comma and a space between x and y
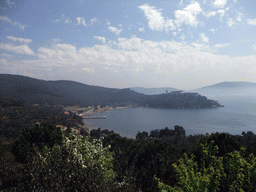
93, 111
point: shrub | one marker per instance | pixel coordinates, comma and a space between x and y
38, 136
75, 165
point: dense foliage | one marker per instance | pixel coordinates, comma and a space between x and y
74, 165
153, 160
15, 115
233, 172
39, 137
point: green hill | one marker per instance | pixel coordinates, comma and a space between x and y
67, 93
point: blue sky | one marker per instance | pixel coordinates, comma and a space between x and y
183, 44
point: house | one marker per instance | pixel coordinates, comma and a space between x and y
66, 112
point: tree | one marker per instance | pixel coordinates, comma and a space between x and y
233, 172
38, 136
75, 165
142, 135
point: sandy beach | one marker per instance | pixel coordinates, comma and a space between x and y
93, 111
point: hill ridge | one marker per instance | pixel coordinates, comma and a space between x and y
70, 93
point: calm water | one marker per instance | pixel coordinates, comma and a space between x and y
239, 114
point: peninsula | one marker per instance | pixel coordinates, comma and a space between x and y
71, 93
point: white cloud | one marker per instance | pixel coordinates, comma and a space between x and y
222, 13
210, 14
220, 3
254, 47
20, 49
102, 39
251, 21
204, 38
111, 42
94, 20
22, 40
6, 19
64, 19
133, 43
89, 70
169, 25
181, 2
3, 62
239, 16
59, 52
135, 54
141, 28
22, 27
56, 20
67, 20
132, 56
183, 37
80, 20
188, 15
155, 19
115, 30
231, 22
218, 46
6, 55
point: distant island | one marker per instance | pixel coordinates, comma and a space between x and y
228, 89
71, 93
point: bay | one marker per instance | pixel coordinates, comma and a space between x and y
238, 115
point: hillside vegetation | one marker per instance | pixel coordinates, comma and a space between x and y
45, 158
68, 93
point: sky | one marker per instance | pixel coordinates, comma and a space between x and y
184, 44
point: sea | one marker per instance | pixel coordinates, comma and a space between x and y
237, 115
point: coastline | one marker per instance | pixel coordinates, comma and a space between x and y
99, 110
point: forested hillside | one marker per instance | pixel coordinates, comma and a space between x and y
67, 93
15, 115
61, 92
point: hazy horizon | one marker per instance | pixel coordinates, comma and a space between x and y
183, 44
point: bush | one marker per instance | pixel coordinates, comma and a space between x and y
233, 172
75, 165
38, 136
